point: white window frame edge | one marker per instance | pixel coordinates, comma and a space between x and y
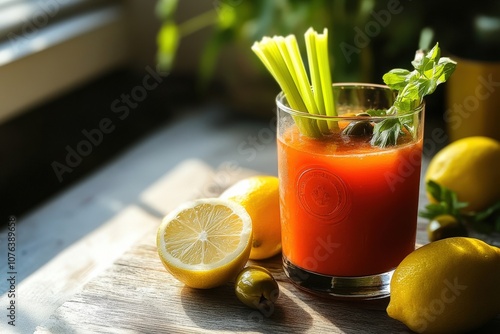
67, 53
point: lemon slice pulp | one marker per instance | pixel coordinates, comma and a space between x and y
206, 242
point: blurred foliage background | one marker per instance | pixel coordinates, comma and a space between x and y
366, 37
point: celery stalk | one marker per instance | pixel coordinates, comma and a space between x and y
314, 70
272, 58
293, 59
326, 78
281, 56
310, 38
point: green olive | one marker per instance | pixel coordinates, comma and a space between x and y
445, 226
359, 128
256, 287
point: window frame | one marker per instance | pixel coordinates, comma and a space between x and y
85, 40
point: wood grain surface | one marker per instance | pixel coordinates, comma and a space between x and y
137, 295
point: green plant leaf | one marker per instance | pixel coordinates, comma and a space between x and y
487, 213
432, 210
485, 221
165, 9
448, 68
422, 63
386, 132
397, 78
226, 16
434, 189
429, 71
447, 198
168, 42
408, 97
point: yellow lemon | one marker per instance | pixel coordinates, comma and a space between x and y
447, 286
470, 167
205, 243
259, 195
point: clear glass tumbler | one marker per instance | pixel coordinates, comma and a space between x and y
348, 207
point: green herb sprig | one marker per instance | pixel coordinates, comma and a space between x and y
430, 70
447, 203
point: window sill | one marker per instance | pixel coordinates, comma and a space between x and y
59, 57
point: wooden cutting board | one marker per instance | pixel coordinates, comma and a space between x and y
137, 295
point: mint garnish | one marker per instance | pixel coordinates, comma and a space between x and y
447, 203
430, 70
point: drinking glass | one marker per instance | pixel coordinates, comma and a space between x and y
348, 207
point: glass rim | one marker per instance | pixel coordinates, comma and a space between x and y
280, 98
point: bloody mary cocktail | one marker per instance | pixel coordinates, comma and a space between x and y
348, 208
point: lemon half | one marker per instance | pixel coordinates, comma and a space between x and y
205, 243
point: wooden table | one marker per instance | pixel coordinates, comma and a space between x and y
137, 295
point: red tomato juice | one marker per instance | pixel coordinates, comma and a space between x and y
347, 208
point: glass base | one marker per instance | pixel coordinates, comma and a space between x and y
345, 288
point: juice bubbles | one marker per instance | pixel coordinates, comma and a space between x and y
348, 209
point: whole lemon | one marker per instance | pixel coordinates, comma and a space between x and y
447, 286
470, 167
259, 195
